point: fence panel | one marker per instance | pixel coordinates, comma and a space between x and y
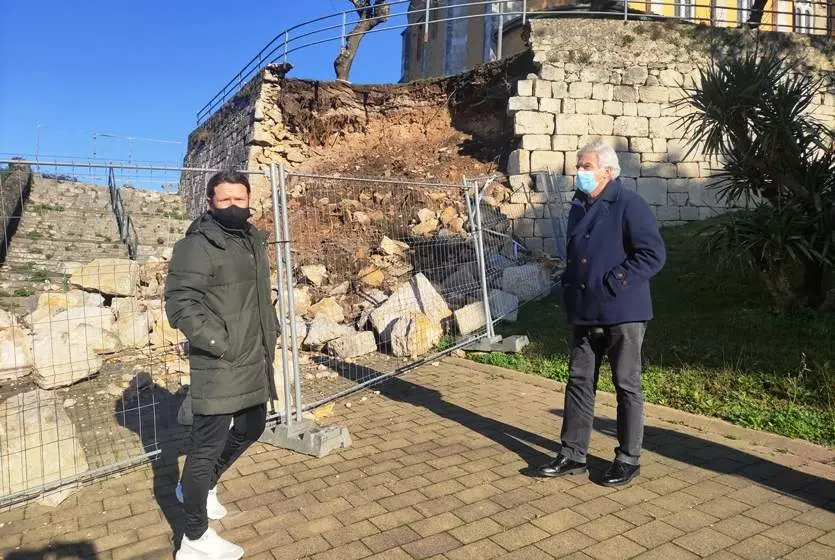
92, 375
388, 275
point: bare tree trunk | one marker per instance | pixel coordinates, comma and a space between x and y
370, 17
755, 16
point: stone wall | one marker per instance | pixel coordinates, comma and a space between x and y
223, 141
14, 188
618, 80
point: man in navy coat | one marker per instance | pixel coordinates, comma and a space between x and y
613, 249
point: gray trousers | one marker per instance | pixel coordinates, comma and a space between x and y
622, 343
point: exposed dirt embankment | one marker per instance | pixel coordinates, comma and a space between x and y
433, 130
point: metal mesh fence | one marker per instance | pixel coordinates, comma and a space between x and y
385, 275
92, 375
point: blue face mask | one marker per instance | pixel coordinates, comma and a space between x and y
586, 181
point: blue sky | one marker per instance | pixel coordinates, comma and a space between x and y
71, 72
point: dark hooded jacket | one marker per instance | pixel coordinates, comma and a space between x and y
218, 294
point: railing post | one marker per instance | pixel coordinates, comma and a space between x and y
524, 12
625, 10
285, 47
501, 31
344, 17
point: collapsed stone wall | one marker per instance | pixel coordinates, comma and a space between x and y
619, 80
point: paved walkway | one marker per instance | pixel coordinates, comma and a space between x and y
438, 470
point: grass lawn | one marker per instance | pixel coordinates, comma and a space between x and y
714, 348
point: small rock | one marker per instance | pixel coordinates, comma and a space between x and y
371, 276
425, 215
69, 403
315, 273
322, 367
363, 399
347, 405
341, 289
362, 218
393, 248
458, 353
309, 376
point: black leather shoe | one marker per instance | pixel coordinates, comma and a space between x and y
619, 474
562, 466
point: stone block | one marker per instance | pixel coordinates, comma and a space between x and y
519, 162
533, 122
653, 94
524, 88
601, 124
649, 110
514, 211
559, 90
520, 182
654, 190
630, 164
603, 92
594, 74
688, 169
550, 105
629, 183
533, 244
670, 78
564, 142
654, 157
572, 124
676, 198
542, 88
613, 108
660, 145
619, 143
523, 227
552, 161
551, 73
571, 163
664, 127
678, 185
580, 90
667, 214
522, 104
543, 228
536, 142
689, 213
569, 107
631, 126
676, 150
635, 75
627, 94
666, 170
630, 109
640, 145
588, 106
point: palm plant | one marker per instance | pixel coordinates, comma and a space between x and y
752, 114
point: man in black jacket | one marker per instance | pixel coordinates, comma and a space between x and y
218, 294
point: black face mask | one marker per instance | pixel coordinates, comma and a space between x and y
232, 217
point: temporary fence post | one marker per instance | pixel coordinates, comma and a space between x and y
474, 214
279, 276
288, 261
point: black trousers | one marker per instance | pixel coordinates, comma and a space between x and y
622, 343
214, 447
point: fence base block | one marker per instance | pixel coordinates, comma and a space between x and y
510, 344
317, 441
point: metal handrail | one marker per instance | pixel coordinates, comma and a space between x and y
127, 231
283, 44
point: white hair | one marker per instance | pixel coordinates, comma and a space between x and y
606, 156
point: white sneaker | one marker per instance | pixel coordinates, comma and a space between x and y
214, 509
208, 547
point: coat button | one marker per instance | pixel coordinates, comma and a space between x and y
211, 342
586, 236
619, 275
584, 260
582, 286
